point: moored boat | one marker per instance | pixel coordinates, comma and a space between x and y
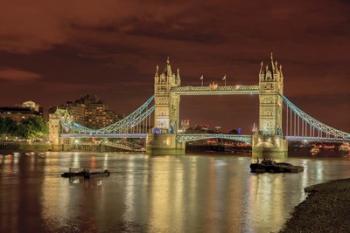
86, 173
274, 167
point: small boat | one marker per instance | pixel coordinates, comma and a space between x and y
86, 173
273, 167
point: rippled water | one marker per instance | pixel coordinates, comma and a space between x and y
152, 194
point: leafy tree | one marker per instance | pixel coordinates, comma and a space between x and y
233, 131
32, 127
8, 126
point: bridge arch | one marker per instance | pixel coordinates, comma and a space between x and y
196, 137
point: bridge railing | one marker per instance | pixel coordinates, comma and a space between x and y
183, 137
299, 123
218, 90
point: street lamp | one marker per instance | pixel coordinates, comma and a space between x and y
202, 78
224, 79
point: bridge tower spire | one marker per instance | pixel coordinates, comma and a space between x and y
166, 112
270, 134
271, 90
166, 105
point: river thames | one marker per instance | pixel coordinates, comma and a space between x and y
191, 193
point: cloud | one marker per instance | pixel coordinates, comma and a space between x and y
42, 25
27, 27
13, 74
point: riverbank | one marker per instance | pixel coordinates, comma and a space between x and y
326, 209
37, 147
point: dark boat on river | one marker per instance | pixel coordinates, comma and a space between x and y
86, 173
274, 167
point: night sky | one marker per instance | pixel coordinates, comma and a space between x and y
54, 51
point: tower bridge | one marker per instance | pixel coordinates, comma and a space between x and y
157, 120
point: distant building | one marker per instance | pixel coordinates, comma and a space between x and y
24, 111
32, 105
203, 128
198, 129
89, 111
185, 125
218, 129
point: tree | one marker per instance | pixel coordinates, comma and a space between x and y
233, 131
33, 127
8, 126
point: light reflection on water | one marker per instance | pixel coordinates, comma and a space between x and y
152, 194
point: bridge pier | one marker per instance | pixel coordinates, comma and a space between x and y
269, 147
164, 144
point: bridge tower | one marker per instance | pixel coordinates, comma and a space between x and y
166, 113
162, 139
268, 141
55, 127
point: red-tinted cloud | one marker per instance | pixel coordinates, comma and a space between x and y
17, 75
27, 27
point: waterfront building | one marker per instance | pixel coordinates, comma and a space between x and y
32, 105
185, 125
89, 111
217, 129
21, 112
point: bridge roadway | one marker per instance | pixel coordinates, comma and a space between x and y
196, 137
122, 146
104, 135
219, 90
316, 139
180, 137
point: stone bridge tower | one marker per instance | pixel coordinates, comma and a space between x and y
166, 113
269, 142
55, 128
270, 100
162, 139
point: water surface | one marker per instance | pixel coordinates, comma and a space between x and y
176, 194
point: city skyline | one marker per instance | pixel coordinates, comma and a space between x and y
63, 52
